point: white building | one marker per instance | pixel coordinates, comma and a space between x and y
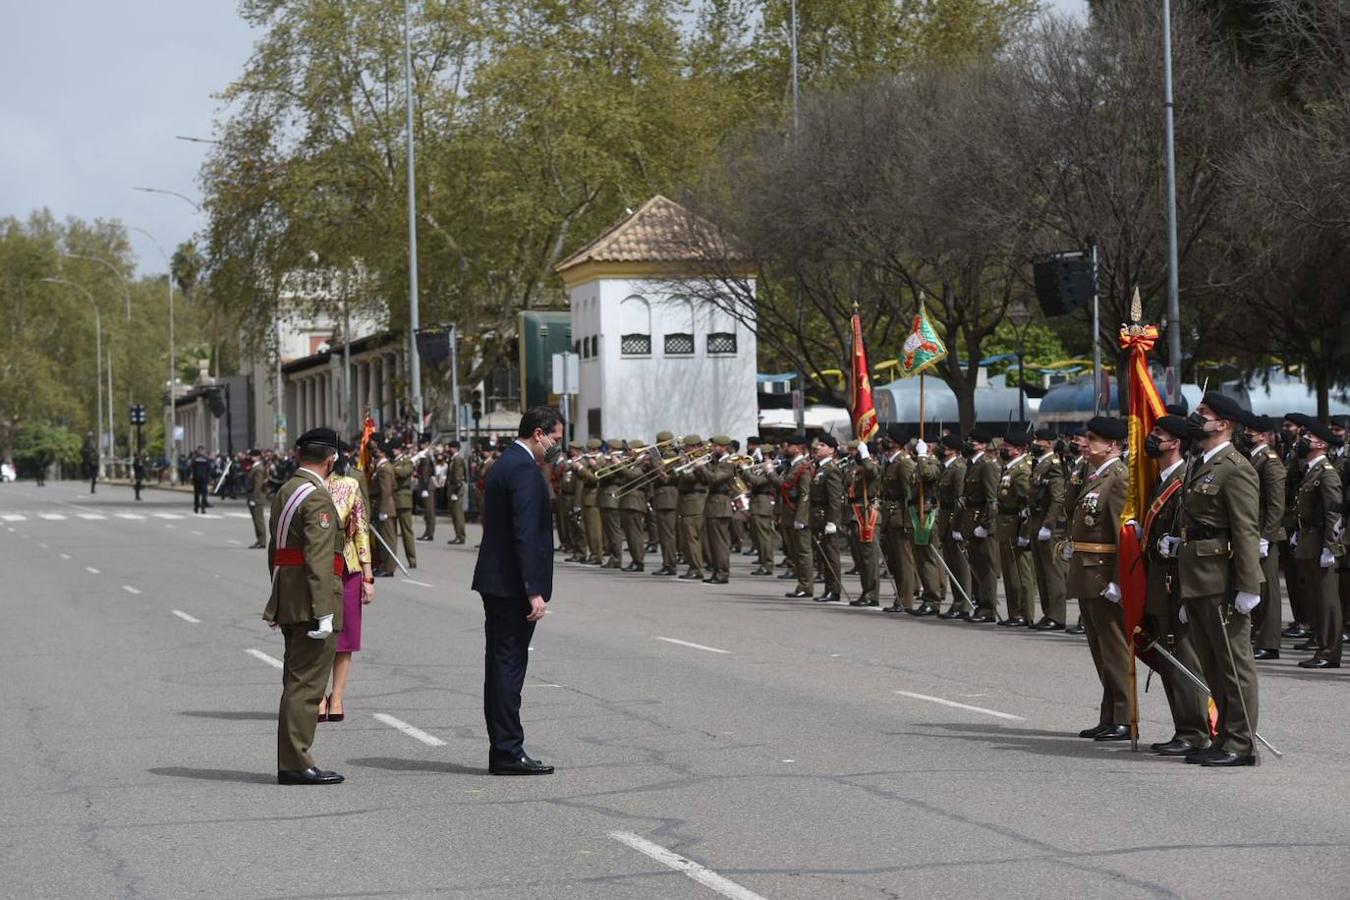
653, 356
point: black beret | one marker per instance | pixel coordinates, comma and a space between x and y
1046, 434
896, 432
829, 440
1111, 429
1323, 431
952, 441
1302, 420
318, 437
1223, 406
1263, 424
1177, 426
980, 436
796, 440
1340, 421
1176, 409
1017, 437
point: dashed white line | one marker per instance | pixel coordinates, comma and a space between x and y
52, 517
418, 583
14, 517
702, 874
411, 731
211, 516
670, 640
966, 706
238, 515
130, 590
131, 516
270, 660
198, 534
233, 541
92, 517
193, 619
167, 516
65, 556
92, 571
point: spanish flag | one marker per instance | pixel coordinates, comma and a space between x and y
1146, 407
864, 411
363, 452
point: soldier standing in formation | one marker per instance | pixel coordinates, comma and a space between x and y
827, 512
1318, 543
665, 506
763, 511
717, 475
403, 501
795, 515
896, 481
1046, 529
456, 485
386, 516
1270, 474
256, 497
690, 514
633, 512
980, 498
951, 501
923, 537
1011, 526
424, 475
864, 484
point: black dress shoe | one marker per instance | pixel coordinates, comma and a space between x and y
830, 597
1318, 663
1093, 731
1295, 631
894, 608
1198, 755
1263, 653
592, 562
1311, 644
718, 579
632, 567
1076, 629
798, 595
691, 576
1015, 622
664, 572
790, 576
925, 609
1113, 733
257, 545
1174, 747
522, 766
864, 600
979, 619
1225, 760
312, 775
952, 613
760, 571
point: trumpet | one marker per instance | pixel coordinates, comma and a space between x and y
641, 455
682, 463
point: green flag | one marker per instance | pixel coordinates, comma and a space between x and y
923, 349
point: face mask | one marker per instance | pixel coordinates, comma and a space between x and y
553, 453
1302, 448
1005, 454
969, 449
1153, 446
1197, 421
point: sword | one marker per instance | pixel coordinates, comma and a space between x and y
398, 562
826, 559
951, 576
1195, 680
223, 474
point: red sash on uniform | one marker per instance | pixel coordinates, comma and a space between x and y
295, 556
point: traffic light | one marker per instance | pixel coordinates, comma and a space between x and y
138, 416
476, 404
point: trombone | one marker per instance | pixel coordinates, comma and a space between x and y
641, 455
682, 463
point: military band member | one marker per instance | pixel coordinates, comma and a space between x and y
1220, 564
611, 521
717, 475
1078, 474
763, 482
951, 490
864, 527
693, 498
980, 495
795, 514
1091, 552
568, 505
633, 510
590, 503
1011, 527
1046, 529
896, 480
257, 496
1270, 474
304, 558
665, 507
1319, 543
1168, 443
456, 488
827, 514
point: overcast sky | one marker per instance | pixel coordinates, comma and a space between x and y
96, 93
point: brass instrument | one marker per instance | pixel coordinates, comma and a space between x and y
640, 456
682, 462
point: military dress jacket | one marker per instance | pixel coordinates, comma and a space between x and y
795, 492
403, 483
1219, 509
717, 477
827, 494
1317, 511
763, 490
896, 480
951, 492
590, 484
456, 476
1047, 496
1271, 474
1014, 499
1161, 520
1094, 530
304, 553
979, 496
665, 488
257, 484
634, 499
385, 490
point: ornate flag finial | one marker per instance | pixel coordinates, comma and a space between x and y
1136, 307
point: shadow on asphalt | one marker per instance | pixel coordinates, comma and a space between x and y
1032, 740
215, 775
231, 716
398, 764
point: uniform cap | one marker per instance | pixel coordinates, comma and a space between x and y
1223, 406
663, 436
980, 436
1340, 422
829, 440
574, 445
951, 441
1109, 428
1323, 430
1177, 426
796, 440
720, 439
318, 437
593, 444
1302, 420
896, 432
1176, 409
1263, 424
692, 440
1046, 434
1017, 437
636, 445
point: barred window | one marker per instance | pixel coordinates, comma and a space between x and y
679, 344
635, 344
721, 343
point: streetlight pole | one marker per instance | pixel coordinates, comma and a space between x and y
98, 358
126, 293
414, 358
1173, 290
1019, 314
170, 442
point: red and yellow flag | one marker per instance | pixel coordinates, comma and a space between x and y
1146, 407
363, 452
864, 411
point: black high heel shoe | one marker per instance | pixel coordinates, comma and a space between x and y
332, 716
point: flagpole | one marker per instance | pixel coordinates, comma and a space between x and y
922, 416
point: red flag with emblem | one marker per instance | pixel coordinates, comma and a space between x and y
864, 411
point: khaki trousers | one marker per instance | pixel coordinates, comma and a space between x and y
1049, 568
635, 533
1231, 680
1104, 623
665, 536
691, 538
305, 667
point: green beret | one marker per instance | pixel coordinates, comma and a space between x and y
664, 436
692, 440
593, 444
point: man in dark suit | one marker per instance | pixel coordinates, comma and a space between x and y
514, 575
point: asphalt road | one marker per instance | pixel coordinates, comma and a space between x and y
710, 741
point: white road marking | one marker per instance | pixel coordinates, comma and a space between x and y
233, 541
238, 515
703, 875
170, 527
92, 517
270, 660
192, 619
14, 517
198, 534
688, 644
52, 517
418, 583
91, 570
211, 516
43, 546
955, 705
65, 556
411, 731
130, 590
132, 516
167, 516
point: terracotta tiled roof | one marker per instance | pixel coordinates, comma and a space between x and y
660, 231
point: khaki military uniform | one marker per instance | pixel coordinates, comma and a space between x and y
717, 513
927, 559
567, 507
304, 558
1093, 532
633, 514
590, 512
1047, 512
763, 512
611, 520
387, 514
863, 497
1014, 543
403, 503
951, 491
794, 512
827, 508
257, 496
1219, 557
693, 498
980, 496
1318, 516
897, 478
665, 507
1270, 474
426, 492
456, 483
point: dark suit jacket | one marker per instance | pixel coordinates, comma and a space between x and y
516, 555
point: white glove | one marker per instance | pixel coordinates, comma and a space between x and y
1327, 560
1023, 543
1138, 529
325, 629
1044, 534
1182, 617
921, 448
981, 531
831, 528
1246, 602
426, 493
1293, 540
454, 496
958, 536
863, 452
1067, 553
1168, 544
384, 516
798, 526
1112, 593
1264, 546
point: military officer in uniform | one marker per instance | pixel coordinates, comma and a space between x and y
1091, 553
895, 476
257, 496
717, 475
1220, 564
665, 507
980, 496
456, 484
304, 558
794, 511
1270, 474
1046, 530
827, 513
633, 510
924, 538
403, 502
1168, 444
424, 473
1078, 473
864, 488
1319, 543
1292, 426
763, 490
951, 492
567, 504
611, 521
386, 517
693, 497
1011, 526
590, 504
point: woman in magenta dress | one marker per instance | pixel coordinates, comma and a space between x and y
358, 582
